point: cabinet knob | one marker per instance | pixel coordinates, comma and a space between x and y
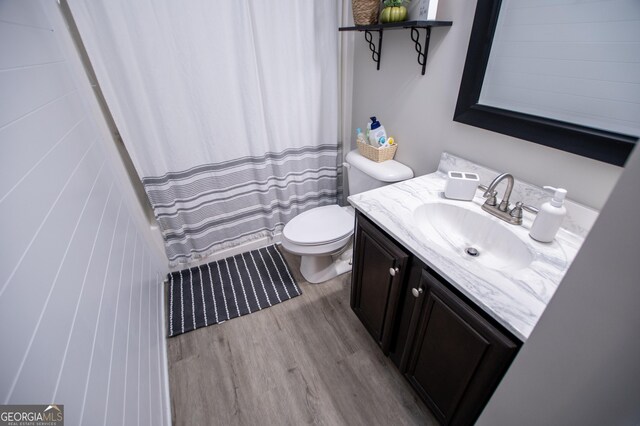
417, 292
393, 271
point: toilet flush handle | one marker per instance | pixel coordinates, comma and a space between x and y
393, 271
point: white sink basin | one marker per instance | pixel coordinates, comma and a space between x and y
459, 228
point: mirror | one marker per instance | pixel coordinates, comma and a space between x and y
604, 145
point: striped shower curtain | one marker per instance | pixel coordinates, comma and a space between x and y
228, 110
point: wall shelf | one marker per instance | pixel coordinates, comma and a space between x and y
415, 26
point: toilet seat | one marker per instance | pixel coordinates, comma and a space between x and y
322, 236
319, 226
321, 231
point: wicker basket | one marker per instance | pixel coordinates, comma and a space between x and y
377, 154
365, 12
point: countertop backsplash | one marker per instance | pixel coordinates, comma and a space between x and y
579, 218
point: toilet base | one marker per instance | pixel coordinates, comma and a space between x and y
318, 269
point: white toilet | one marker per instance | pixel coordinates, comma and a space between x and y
322, 236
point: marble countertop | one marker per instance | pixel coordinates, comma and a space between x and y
515, 298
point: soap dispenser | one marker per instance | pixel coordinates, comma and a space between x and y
550, 216
377, 135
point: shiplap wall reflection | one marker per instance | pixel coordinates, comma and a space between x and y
574, 61
80, 316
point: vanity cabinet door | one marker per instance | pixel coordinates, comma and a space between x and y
455, 358
378, 274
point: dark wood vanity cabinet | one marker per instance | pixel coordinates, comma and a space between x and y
379, 270
451, 353
454, 358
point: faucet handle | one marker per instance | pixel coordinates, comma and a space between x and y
517, 210
491, 196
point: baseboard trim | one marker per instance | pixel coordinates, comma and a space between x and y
165, 359
232, 251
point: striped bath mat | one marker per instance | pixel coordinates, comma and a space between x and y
231, 287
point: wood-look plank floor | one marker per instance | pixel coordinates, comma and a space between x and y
307, 360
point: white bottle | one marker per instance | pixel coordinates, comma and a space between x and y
377, 134
550, 216
360, 136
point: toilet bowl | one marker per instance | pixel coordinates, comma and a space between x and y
322, 236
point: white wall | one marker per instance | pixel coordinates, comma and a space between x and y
418, 111
580, 366
80, 293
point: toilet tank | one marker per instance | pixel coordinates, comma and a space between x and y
364, 174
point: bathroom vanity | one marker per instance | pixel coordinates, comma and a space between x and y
452, 322
452, 354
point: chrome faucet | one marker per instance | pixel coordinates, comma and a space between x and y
504, 205
502, 210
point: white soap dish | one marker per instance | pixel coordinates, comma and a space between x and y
461, 185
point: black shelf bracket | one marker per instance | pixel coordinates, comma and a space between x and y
422, 51
376, 52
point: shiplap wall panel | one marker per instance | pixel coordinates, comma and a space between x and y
81, 288
64, 290
120, 337
29, 214
29, 14
37, 47
57, 117
144, 378
121, 347
26, 89
155, 361
37, 269
28, 291
603, 90
574, 61
67, 152
131, 386
96, 392
73, 377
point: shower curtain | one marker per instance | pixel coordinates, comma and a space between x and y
229, 110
